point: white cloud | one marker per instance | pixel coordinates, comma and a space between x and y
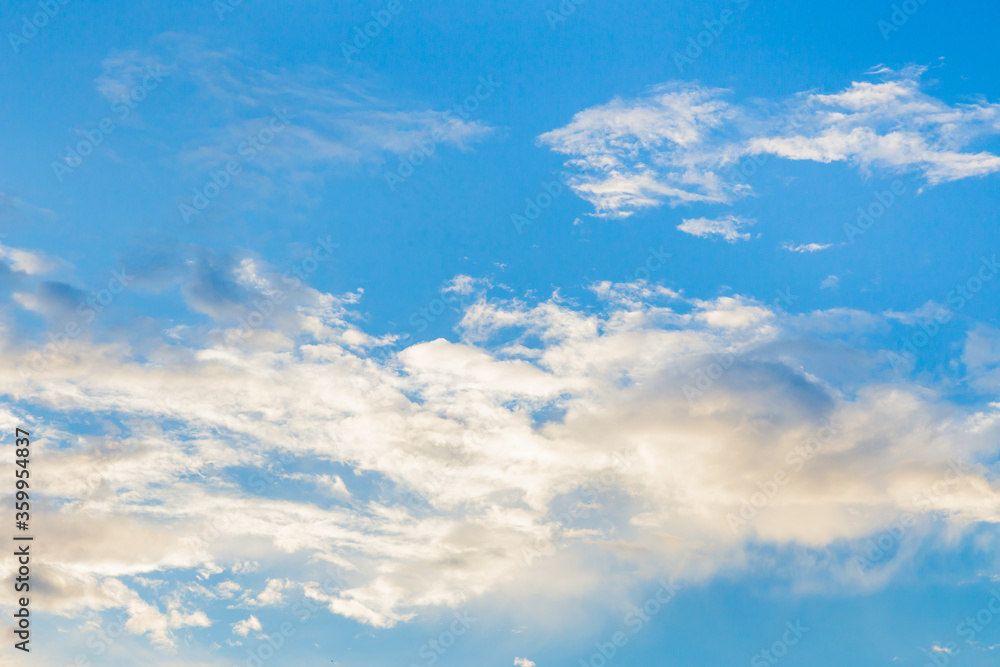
243, 628
272, 595
30, 262
331, 484
727, 227
682, 143
632, 154
245, 567
981, 355
830, 282
465, 285
523, 662
804, 248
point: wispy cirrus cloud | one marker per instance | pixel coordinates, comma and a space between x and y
806, 247
337, 121
727, 227
123, 71
675, 144
331, 123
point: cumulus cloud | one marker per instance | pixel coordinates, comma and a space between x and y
244, 627
682, 143
523, 662
28, 261
381, 488
727, 227
272, 595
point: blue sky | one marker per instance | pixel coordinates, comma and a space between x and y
523, 313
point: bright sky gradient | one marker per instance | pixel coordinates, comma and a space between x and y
504, 333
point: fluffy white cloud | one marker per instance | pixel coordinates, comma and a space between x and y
27, 261
523, 662
631, 154
680, 144
243, 628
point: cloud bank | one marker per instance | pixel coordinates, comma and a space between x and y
670, 435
